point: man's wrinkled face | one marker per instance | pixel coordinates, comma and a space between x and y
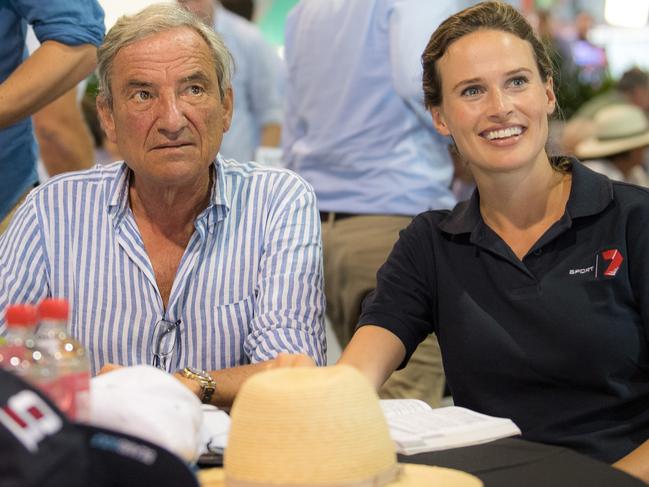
167, 116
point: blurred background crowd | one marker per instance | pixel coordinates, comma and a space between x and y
597, 47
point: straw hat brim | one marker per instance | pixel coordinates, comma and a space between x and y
411, 476
593, 147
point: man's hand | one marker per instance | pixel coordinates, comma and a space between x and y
291, 360
109, 368
191, 384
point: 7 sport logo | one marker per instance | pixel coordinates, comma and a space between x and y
608, 262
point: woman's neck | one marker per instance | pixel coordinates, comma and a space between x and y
523, 199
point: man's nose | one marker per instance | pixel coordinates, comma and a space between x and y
171, 120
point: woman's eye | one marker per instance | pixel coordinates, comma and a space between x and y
519, 81
471, 91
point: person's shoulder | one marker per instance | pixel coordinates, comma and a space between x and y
628, 194
428, 222
431, 217
96, 175
71, 23
268, 176
60, 193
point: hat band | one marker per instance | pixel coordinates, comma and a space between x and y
378, 480
621, 137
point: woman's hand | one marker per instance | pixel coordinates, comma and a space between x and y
291, 360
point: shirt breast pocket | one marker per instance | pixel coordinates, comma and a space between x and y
223, 337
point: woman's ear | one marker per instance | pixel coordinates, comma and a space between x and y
438, 121
551, 97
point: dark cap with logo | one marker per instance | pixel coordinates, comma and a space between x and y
40, 447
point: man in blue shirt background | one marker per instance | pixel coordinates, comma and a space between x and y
356, 129
69, 33
256, 83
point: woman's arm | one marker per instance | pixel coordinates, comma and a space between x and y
636, 463
376, 352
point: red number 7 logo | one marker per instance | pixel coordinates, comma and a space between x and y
615, 259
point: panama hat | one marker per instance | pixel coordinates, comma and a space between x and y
308, 426
618, 128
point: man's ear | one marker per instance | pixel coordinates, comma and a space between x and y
228, 108
105, 115
438, 121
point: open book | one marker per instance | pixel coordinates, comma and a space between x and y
415, 427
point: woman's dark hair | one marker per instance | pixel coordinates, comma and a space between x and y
483, 16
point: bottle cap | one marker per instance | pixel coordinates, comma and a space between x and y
54, 309
21, 315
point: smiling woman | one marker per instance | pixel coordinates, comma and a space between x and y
494, 102
523, 335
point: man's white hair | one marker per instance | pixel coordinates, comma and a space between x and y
155, 19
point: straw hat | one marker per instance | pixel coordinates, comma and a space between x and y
316, 427
618, 128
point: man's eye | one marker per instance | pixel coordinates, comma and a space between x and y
196, 90
142, 95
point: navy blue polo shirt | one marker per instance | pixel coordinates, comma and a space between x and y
557, 341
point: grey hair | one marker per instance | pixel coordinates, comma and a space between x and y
155, 19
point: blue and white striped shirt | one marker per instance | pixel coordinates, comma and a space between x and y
249, 284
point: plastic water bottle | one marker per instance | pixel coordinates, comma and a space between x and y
16, 354
62, 354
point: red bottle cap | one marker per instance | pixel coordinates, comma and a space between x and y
54, 309
21, 315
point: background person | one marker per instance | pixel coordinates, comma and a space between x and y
618, 145
631, 88
69, 33
363, 139
256, 83
63, 137
537, 286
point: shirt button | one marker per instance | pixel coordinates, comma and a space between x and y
538, 252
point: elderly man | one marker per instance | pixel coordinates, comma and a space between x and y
173, 257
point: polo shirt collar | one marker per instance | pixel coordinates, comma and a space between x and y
217, 209
590, 194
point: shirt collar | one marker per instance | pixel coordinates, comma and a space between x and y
590, 194
118, 194
217, 209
